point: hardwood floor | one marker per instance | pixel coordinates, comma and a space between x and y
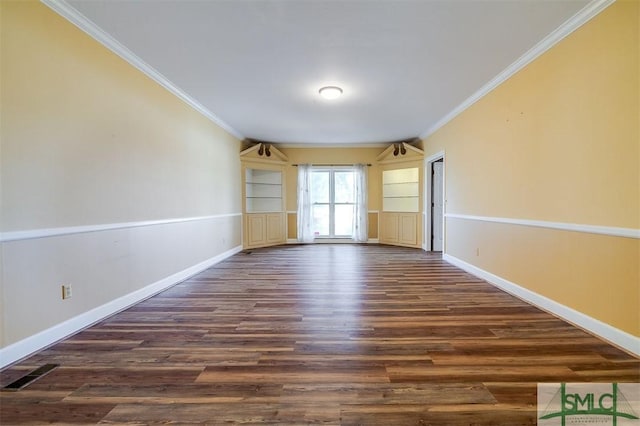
330, 334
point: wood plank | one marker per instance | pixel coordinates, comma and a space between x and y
316, 334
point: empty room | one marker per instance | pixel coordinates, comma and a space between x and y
349, 212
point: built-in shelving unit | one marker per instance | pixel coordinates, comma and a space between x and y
263, 191
263, 196
401, 190
401, 215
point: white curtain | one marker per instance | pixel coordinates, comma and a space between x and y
360, 211
305, 229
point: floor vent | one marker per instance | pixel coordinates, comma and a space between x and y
23, 381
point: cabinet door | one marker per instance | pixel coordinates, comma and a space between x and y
275, 228
389, 228
408, 232
256, 230
401, 229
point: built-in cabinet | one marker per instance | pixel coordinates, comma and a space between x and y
402, 205
263, 196
263, 229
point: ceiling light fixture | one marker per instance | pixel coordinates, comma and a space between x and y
330, 92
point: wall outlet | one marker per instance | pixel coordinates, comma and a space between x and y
478, 251
66, 292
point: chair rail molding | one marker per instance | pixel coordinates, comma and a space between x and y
69, 230
564, 226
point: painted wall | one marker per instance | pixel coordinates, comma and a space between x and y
86, 139
558, 141
336, 156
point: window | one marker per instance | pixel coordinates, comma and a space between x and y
333, 201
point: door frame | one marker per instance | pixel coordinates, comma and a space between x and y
426, 216
332, 170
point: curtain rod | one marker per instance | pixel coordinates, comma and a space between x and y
331, 165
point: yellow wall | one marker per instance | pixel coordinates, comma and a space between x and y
558, 141
337, 156
86, 139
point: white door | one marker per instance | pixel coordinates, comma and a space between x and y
437, 207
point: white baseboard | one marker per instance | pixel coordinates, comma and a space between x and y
26, 347
605, 331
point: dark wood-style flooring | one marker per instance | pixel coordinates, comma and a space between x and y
321, 334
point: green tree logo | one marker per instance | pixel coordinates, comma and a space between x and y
586, 404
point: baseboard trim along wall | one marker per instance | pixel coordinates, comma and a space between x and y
28, 346
611, 334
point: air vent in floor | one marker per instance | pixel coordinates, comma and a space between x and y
23, 381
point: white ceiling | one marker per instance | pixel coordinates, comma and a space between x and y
257, 65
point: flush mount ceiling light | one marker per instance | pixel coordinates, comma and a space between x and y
330, 92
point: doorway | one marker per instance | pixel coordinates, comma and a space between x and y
333, 201
434, 203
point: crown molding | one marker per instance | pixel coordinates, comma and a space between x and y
72, 15
62, 8
411, 154
334, 145
279, 156
576, 21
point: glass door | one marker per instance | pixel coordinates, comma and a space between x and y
333, 199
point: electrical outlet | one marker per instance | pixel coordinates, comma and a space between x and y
478, 251
66, 292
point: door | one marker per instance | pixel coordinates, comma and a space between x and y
333, 199
437, 206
